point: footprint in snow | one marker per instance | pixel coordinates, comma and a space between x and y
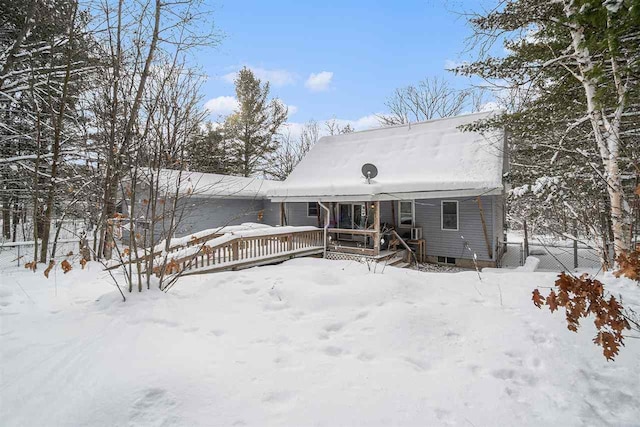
333, 351
362, 315
418, 365
250, 291
334, 327
366, 357
279, 400
504, 374
154, 407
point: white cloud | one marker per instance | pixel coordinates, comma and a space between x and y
225, 105
450, 64
362, 123
277, 77
222, 105
318, 82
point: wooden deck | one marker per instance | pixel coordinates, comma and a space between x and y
242, 251
251, 248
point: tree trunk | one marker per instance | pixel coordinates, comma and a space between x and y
6, 219
16, 219
114, 178
606, 132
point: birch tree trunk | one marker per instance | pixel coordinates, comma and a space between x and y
606, 130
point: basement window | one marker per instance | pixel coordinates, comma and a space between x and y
446, 260
312, 209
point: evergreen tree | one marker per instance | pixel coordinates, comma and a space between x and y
209, 152
252, 129
573, 67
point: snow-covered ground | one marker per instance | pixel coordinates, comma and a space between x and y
307, 342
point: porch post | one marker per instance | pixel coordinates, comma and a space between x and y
283, 218
376, 227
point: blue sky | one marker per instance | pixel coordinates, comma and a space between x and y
334, 58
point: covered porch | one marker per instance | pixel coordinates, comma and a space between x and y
375, 228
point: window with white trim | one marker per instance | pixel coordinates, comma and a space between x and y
406, 214
312, 209
450, 215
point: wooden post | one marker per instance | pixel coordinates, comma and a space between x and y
484, 229
234, 249
393, 214
376, 227
526, 239
283, 215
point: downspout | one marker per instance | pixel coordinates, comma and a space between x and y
326, 226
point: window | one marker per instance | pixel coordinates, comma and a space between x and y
405, 213
450, 215
312, 209
446, 260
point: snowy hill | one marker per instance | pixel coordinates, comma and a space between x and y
308, 342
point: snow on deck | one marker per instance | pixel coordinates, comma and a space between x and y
241, 233
179, 241
421, 157
307, 342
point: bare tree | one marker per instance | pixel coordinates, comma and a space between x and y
291, 151
335, 127
431, 98
135, 36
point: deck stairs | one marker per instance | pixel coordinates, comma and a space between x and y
395, 258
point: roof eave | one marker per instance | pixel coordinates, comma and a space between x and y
432, 194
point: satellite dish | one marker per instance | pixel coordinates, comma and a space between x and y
369, 171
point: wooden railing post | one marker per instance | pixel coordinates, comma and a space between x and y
234, 250
376, 228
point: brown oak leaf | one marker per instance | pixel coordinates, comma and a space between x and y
537, 299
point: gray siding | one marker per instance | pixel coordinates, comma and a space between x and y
499, 217
271, 214
203, 213
297, 215
468, 239
386, 213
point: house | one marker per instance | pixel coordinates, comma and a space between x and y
205, 201
434, 180
437, 189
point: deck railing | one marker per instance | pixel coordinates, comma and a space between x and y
354, 249
243, 250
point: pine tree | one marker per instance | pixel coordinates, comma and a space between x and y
252, 129
208, 152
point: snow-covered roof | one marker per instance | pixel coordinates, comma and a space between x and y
200, 184
427, 159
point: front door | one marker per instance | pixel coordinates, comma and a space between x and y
345, 216
353, 216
